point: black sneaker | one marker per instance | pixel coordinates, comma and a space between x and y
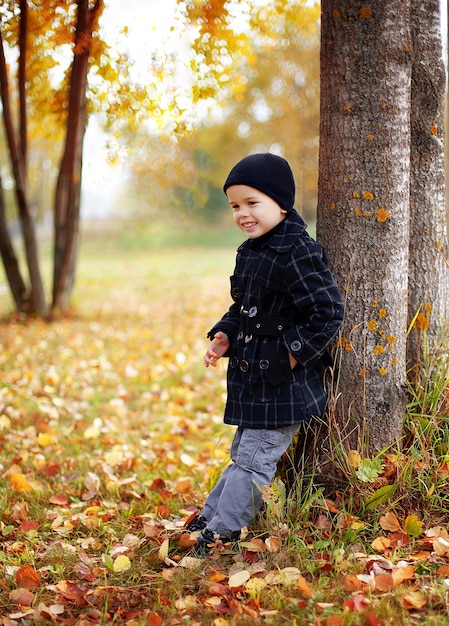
207, 541
198, 523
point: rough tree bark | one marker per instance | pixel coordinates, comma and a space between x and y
428, 271
363, 206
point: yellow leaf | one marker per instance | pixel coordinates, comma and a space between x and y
413, 526
163, 550
239, 579
289, 575
381, 544
255, 584
354, 458
390, 522
45, 439
20, 483
121, 564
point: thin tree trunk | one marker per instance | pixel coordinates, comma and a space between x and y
28, 227
68, 189
10, 262
428, 271
363, 206
23, 31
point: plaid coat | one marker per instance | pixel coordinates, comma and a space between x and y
285, 300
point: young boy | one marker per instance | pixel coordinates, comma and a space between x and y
286, 312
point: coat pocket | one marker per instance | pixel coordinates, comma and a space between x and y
274, 363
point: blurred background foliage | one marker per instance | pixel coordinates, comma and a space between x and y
260, 93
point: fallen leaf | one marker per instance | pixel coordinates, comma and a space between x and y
354, 458
154, 620
22, 597
352, 583
304, 586
121, 564
239, 579
441, 546
403, 573
384, 582
390, 522
413, 600
163, 550
381, 544
273, 544
186, 603
28, 578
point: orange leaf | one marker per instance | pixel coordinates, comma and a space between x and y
217, 577
403, 573
443, 571
163, 511
413, 600
273, 544
389, 521
28, 578
384, 582
334, 620
154, 620
352, 583
58, 499
304, 587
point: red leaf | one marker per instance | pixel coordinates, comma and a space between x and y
26, 527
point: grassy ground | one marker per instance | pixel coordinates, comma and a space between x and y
111, 435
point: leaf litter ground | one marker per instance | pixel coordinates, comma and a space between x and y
111, 434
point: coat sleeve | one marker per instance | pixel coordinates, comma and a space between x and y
230, 322
317, 302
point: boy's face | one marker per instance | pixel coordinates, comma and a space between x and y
254, 212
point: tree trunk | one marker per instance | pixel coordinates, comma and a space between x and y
363, 207
68, 188
428, 272
38, 301
10, 262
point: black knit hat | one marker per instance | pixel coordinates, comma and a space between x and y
268, 173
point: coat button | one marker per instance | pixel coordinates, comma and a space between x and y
235, 293
295, 345
244, 366
264, 364
233, 362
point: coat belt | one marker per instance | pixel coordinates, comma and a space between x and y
267, 325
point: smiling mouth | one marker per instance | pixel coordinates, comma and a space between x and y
249, 224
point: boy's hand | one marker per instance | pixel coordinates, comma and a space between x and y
217, 347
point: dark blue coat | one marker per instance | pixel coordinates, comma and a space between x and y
285, 300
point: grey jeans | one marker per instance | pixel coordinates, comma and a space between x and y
237, 496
